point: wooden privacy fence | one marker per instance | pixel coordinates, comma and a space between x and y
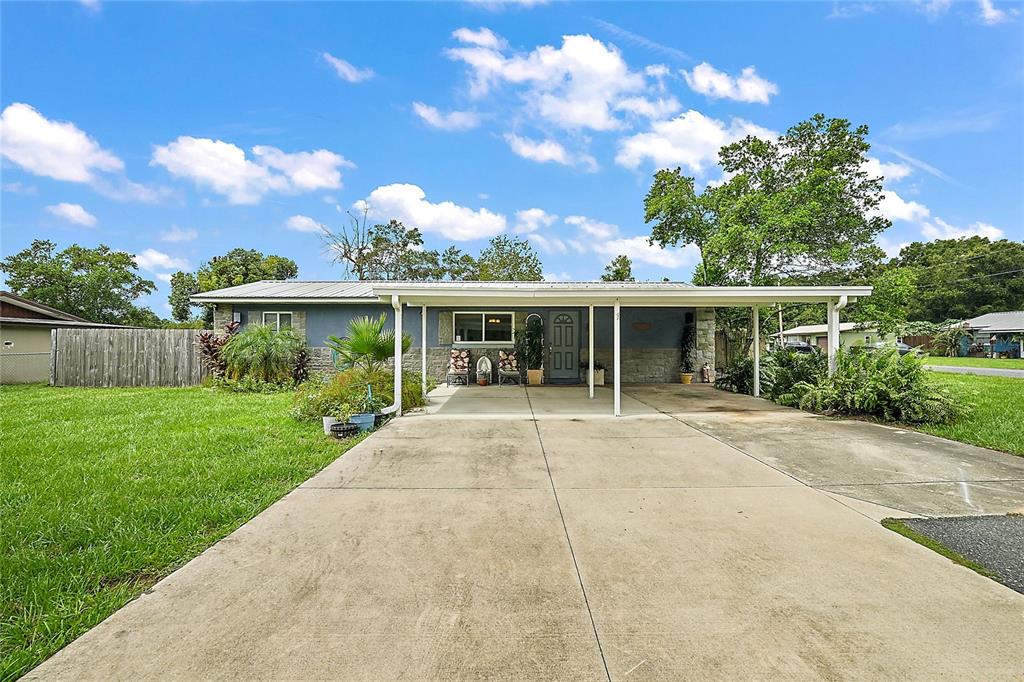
125, 357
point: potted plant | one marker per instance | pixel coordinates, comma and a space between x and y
686, 364
530, 348
365, 411
598, 373
334, 412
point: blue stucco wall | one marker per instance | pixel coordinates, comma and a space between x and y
641, 327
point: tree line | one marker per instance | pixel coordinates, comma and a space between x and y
798, 210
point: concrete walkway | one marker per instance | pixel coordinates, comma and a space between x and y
545, 546
983, 371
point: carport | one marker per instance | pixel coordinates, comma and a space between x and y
613, 295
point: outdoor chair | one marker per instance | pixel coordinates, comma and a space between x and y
508, 368
458, 367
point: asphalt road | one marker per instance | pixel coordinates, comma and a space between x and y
984, 371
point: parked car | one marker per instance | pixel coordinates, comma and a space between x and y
800, 347
901, 347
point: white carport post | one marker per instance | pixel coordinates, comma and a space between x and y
423, 349
397, 305
832, 337
617, 362
757, 352
590, 344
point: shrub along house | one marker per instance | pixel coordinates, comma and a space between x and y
634, 329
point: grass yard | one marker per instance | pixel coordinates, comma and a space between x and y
975, 362
993, 417
105, 491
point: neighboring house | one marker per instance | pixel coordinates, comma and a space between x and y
996, 333
634, 328
850, 334
25, 330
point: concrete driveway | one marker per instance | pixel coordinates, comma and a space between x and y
983, 371
504, 545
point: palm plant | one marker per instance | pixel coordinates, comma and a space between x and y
368, 345
261, 353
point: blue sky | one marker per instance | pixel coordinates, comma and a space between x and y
179, 131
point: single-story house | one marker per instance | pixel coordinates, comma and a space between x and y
850, 334
26, 328
633, 328
997, 333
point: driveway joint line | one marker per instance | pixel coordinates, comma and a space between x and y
568, 540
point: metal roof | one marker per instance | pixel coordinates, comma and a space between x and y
1009, 321
314, 291
810, 329
36, 322
513, 293
37, 307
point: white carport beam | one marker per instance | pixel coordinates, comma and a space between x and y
590, 343
832, 327
397, 305
757, 352
618, 359
423, 350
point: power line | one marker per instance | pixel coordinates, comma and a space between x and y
960, 260
967, 279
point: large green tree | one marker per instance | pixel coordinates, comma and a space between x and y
963, 278
509, 259
237, 266
619, 270
98, 284
800, 205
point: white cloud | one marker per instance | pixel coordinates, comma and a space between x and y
940, 229
176, 235
303, 223
548, 151
639, 250
151, 259
891, 248
574, 86
591, 228
482, 37
20, 188
990, 14
896, 208
164, 276
72, 213
557, 277
933, 8
223, 168
890, 171
453, 120
496, 5
409, 204
748, 87
691, 140
642, 106
549, 244
532, 219
306, 171
345, 70
54, 149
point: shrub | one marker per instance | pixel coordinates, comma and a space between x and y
738, 376
210, 346
784, 368
249, 384
345, 393
883, 384
261, 353
368, 345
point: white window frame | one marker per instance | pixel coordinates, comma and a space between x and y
483, 327
277, 323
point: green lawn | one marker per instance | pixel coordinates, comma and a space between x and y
105, 491
975, 362
993, 411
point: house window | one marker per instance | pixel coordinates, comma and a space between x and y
483, 327
277, 321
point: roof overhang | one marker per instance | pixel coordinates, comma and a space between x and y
200, 299
469, 294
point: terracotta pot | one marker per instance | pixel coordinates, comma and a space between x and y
686, 377
534, 377
481, 381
